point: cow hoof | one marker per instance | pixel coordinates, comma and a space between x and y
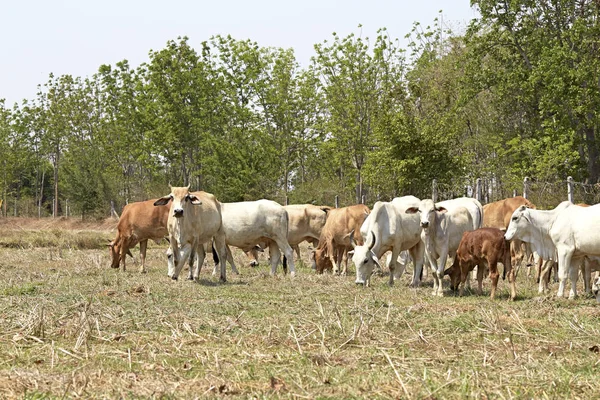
190, 278
174, 278
292, 274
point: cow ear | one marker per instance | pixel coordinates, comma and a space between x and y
376, 261
325, 209
351, 253
523, 207
163, 200
441, 209
412, 210
194, 199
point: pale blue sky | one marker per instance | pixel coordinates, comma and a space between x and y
75, 37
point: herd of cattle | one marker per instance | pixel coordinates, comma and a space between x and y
510, 231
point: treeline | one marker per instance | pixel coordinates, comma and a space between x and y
515, 95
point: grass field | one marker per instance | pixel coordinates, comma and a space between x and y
72, 327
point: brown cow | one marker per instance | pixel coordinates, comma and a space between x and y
497, 215
139, 222
485, 246
334, 242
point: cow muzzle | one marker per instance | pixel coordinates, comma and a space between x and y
178, 212
424, 224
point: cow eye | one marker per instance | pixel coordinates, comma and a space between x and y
366, 260
515, 218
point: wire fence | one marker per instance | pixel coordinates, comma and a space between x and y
545, 195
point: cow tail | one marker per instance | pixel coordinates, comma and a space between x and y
215, 254
480, 212
507, 259
287, 227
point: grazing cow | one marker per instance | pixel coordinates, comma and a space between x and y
194, 219
247, 223
484, 246
334, 241
442, 230
568, 232
306, 223
139, 222
497, 215
389, 228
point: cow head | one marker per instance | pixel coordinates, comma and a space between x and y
427, 210
364, 259
520, 224
454, 273
321, 260
181, 198
114, 249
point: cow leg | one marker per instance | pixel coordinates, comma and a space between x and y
564, 265
494, 275
332, 257
574, 275
181, 255
586, 271
221, 246
393, 264
342, 257
440, 272
123, 254
544, 269
288, 252
170, 262
143, 247
465, 270
480, 271
417, 254
274, 254
199, 255
231, 262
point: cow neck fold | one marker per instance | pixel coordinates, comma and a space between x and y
540, 226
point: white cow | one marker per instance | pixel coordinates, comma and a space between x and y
472, 205
247, 223
569, 232
442, 231
194, 219
388, 227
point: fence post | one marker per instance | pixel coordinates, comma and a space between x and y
514, 192
434, 191
526, 187
286, 201
337, 201
570, 191
478, 189
362, 199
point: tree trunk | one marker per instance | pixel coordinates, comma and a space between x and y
55, 205
41, 194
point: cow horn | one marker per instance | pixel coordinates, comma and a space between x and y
352, 242
374, 239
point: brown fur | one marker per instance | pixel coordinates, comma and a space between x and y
485, 246
334, 242
139, 222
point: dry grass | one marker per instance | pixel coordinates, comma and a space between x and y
72, 327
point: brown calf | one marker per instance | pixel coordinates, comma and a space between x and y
485, 246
